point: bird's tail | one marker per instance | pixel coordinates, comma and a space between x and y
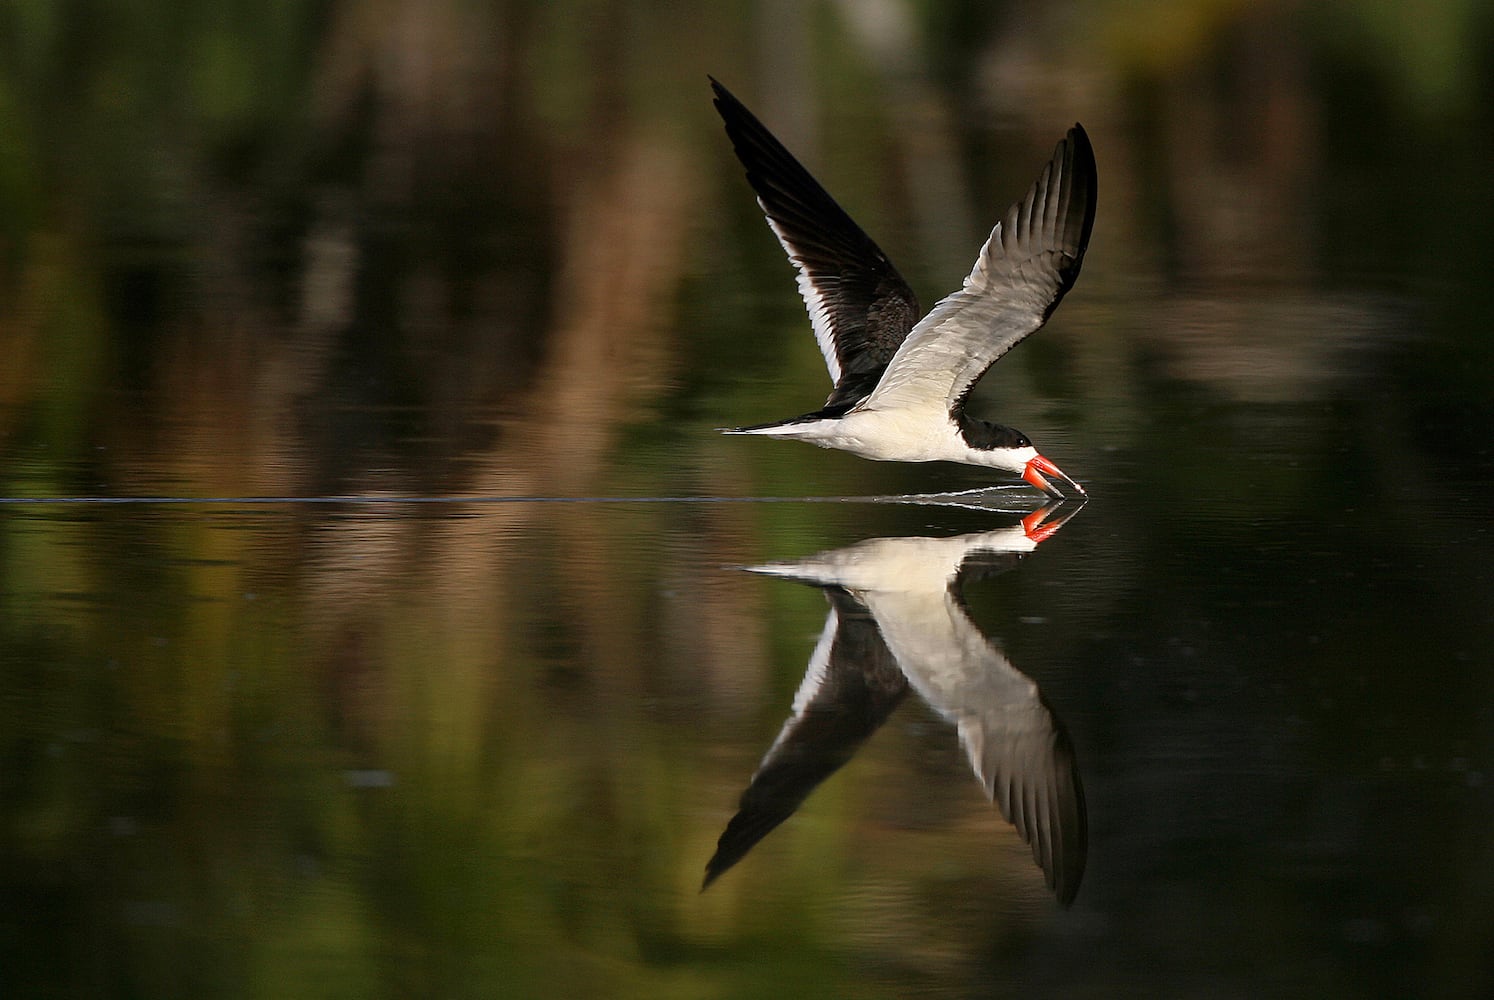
777, 428
793, 426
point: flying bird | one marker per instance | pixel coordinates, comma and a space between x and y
900, 382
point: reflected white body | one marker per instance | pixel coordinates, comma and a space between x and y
905, 583
896, 621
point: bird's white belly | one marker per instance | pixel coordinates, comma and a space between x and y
891, 436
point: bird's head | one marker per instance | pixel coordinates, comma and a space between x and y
1007, 448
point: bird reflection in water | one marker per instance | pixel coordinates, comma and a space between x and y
897, 620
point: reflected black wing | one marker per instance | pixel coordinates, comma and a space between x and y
1031, 774
1017, 748
850, 687
859, 305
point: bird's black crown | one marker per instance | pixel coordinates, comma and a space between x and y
986, 436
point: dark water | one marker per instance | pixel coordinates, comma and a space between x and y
374, 614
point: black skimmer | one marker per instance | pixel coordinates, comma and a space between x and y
900, 382
897, 621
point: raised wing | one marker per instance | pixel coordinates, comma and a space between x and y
860, 307
1029, 262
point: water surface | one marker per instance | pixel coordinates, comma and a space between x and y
374, 612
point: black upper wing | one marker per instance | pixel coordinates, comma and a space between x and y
861, 308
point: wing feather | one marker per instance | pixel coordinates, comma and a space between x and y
1030, 260
861, 309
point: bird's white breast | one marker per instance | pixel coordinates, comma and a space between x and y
902, 435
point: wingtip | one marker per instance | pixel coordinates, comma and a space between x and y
1077, 153
722, 98
1084, 150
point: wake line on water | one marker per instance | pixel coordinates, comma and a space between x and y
964, 497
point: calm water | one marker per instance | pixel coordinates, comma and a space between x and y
375, 606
